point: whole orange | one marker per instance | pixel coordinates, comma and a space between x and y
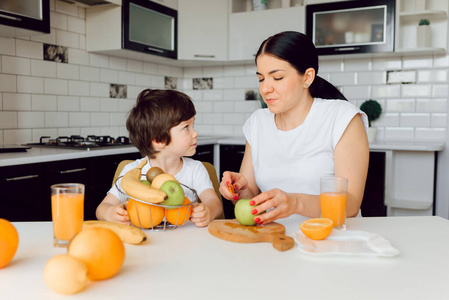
9, 241
179, 216
100, 249
144, 215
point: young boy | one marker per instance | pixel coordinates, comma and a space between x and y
161, 126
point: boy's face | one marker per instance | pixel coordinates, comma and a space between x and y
183, 138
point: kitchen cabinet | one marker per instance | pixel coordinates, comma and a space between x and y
407, 19
22, 193
205, 153
248, 29
203, 30
231, 157
373, 204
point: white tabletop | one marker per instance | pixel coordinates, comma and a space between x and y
189, 263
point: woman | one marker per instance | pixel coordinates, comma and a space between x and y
308, 131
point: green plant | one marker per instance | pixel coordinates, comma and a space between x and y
372, 109
424, 22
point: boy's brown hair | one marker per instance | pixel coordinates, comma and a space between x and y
155, 113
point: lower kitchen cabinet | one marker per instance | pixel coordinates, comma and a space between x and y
231, 157
22, 193
26, 194
204, 153
373, 204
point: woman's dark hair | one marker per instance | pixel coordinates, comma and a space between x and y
155, 113
299, 51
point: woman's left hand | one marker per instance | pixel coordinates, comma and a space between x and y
282, 205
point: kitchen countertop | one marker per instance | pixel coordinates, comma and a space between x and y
189, 263
38, 154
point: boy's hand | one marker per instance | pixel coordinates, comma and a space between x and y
200, 215
119, 214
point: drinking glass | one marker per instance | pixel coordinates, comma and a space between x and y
67, 209
333, 191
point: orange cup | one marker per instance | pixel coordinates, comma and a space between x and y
333, 197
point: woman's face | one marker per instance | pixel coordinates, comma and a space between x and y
280, 85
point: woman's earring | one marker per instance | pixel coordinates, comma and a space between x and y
307, 85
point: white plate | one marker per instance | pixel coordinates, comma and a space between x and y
346, 242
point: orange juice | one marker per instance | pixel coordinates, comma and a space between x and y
68, 215
333, 206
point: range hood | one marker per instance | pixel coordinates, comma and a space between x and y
89, 3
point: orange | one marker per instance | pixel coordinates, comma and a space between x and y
65, 274
317, 229
100, 249
179, 216
144, 215
9, 241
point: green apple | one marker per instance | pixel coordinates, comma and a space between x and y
243, 213
174, 192
145, 182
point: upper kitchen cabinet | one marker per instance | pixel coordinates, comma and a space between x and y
203, 30
248, 29
24, 17
138, 29
409, 13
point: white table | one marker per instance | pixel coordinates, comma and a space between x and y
189, 263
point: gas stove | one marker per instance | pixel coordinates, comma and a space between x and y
91, 142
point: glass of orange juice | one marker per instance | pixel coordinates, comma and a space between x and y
333, 191
67, 209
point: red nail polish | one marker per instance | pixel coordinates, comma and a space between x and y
227, 183
252, 202
257, 220
260, 223
236, 197
236, 187
254, 211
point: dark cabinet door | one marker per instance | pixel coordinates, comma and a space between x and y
204, 153
231, 157
68, 171
103, 170
21, 196
373, 204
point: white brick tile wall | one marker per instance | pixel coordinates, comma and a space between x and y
66, 8
56, 119
385, 91
89, 73
79, 119
58, 20
372, 77
440, 90
117, 63
56, 86
8, 119
393, 63
247, 82
99, 119
215, 71
8, 83
68, 131
17, 136
76, 25
387, 119
79, 88
438, 120
16, 65
44, 102
39, 132
238, 70
110, 76
399, 134
357, 92
7, 46
416, 62
98, 60
43, 68
234, 118
118, 119
415, 120
78, 57
109, 105
126, 77
223, 106
148, 68
27, 84
203, 107
45, 38
125, 105
99, 89
66, 71
430, 134
66, 38
330, 66
220, 83
416, 90
213, 95
29, 49
90, 104
143, 80
30, 119
400, 105
158, 82
431, 105
19, 102
134, 66
68, 103
357, 65
339, 79
432, 76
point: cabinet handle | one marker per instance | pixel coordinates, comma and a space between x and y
10, 17
72, 171
21, 177
204, 152
204, 56
153, 50
240, 152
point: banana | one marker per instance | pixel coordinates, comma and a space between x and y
135, 189
127, 233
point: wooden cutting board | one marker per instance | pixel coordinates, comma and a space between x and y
232, 230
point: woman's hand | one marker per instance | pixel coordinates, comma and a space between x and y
200, 216
238, 181
282, 205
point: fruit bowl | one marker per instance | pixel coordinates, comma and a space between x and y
158, 217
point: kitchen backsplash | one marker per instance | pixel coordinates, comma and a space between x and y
76, 92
